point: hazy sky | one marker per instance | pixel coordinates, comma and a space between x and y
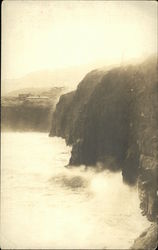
44, 34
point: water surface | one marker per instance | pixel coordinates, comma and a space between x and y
45, 205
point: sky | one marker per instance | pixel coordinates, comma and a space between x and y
39, 35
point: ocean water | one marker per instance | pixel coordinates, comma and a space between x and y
47, 206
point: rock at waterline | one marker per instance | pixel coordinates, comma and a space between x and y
148, 239
71, 182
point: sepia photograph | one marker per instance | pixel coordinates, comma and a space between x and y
79, 125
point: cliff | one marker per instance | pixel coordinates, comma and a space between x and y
29, 109
112, 119
24, 117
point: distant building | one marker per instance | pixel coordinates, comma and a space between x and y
23, 96
37, 98
31, 97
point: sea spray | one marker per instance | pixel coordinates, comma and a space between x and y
45, 205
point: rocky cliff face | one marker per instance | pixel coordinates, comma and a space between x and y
112, 118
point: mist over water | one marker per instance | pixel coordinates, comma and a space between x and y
45, 205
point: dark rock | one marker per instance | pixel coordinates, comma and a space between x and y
147, 240
70, 182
